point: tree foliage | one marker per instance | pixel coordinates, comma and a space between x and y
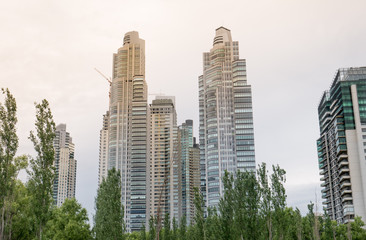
8, 170
108, 219
42, 169
69, 222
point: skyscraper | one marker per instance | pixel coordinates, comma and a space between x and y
189, 173
226, 118
65, 166
163, 182
103, 149
127, 129
342, 145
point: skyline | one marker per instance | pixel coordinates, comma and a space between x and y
300, 60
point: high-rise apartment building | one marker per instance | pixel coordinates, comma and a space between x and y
163, 181
65, 166
342, 145
188, 170
193, 180
127, 130
103, 149
226, 118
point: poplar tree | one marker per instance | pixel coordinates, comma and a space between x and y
166, 231
108, 219
41, 174
279, 201
183, 228
152, 229
266, 201
8, 149
199, 216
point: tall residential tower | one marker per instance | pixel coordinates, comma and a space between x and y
188, 170
342, 145
226, 118
126, 125
65, 166
163, 182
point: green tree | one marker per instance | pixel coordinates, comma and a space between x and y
174, 235
183, 228
143, 232
108, 219
22, 214
308, 223
42, 170
357, 228
133, 236
297, 220
199, 215
213, 224
69, 222
166, 231
246, 206
152, 230
226, 207
328, 228
279, 201
266, 201
8, 149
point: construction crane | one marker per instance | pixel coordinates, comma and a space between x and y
106, 78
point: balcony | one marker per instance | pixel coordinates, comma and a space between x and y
344, 170
343, 163
348, 209
342, 156
325, 190
344, 177
347, 197
345, 184
346, 191
324, 184
341, 149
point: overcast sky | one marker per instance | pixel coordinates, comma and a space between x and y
48, 49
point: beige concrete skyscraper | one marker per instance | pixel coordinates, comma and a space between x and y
226, 116
127, 129
164, 183
65, 165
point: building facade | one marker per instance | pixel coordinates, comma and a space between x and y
163, 181
342, 145
127, 130
65, 166
103, 149
188, 170
226, 118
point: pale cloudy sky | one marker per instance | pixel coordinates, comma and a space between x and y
48, 49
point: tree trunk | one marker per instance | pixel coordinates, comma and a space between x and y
2, 222
269, 229
10, 225
349, 234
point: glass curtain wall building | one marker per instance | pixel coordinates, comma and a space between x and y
342, 145
127, 129
185, 141
226, 118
